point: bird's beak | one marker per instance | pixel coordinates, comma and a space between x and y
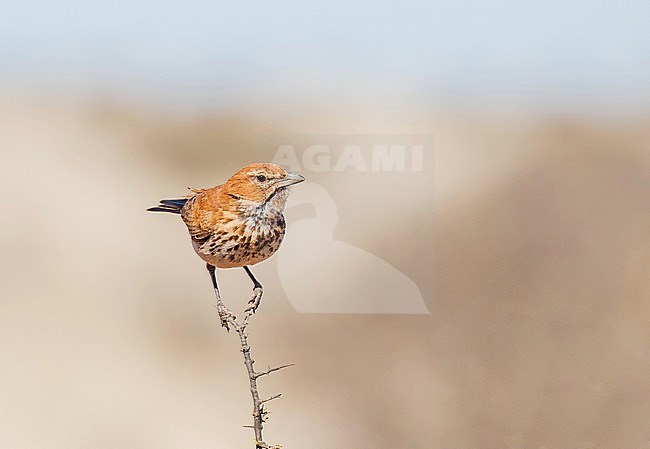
290, 179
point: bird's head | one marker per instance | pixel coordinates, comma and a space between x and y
261, 184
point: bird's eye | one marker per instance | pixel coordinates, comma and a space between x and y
261, 178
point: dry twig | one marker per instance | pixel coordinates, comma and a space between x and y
259, 410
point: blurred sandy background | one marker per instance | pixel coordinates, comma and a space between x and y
538, 335
531, 248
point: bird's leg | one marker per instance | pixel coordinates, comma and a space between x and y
224, 314
254, 303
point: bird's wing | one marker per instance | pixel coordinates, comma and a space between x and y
201, 213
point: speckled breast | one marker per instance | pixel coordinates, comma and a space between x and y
245, 244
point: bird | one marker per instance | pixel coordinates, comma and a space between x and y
236, 224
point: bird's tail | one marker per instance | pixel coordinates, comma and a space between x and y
172, 206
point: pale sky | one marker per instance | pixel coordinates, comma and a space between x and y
463, 47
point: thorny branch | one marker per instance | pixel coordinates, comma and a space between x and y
259, 410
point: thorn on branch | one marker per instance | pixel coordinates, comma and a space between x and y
277, 396
272, 370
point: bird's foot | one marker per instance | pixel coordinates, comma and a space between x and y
255, 300
225, 315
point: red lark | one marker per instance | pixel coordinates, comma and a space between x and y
237, 224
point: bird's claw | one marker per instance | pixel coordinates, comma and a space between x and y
255, 300
225, 316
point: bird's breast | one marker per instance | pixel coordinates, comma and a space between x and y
241, 242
